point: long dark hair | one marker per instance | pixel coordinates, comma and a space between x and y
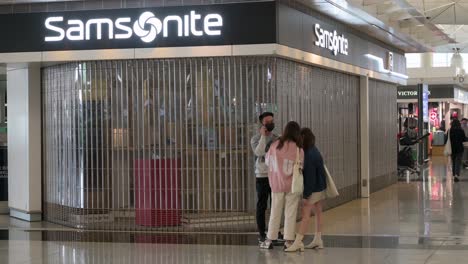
292, 132
308, 138
456, 123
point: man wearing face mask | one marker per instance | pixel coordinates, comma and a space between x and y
260, 144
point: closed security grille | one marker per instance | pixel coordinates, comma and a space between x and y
165, 144
383, 134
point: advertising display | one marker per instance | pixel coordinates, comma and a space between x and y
425, 104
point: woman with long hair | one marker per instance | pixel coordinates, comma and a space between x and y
315, 183
457, 137
280, 159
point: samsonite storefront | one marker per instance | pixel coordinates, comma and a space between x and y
146, 114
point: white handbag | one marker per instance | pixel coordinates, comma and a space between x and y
448, 146
330, 191
298, 178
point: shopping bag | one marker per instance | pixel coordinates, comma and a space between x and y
330, 191
298, 177
448, 146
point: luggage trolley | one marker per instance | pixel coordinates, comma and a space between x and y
408, 156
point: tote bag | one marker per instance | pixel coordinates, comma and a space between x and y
448, 146
298, 177
330, 191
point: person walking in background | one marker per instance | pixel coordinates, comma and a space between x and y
260, 144
315, 184
280, 159
457, 137
464, 126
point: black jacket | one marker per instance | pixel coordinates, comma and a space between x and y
314, 172
457, 137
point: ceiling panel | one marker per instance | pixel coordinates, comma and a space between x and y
449, 15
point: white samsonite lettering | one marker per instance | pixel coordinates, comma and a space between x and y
331, 40
147, 27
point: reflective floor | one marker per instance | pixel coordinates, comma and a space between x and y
419, 220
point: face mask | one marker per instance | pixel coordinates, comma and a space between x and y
270, 127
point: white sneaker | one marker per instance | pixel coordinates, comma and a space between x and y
267, 244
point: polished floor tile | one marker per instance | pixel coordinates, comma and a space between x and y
78, 252
419, 220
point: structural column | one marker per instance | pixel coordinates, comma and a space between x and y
2, 97
426, 60
3, 146
365, 141
24, 141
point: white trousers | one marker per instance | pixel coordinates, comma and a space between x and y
290, 202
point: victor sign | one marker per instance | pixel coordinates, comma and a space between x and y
331, 40
147, 27
408, 93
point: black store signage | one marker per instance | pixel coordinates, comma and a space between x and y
435, 92
407, 92
226, 24
321, 35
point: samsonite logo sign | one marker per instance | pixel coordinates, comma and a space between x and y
337, 44
134, 28
147, 27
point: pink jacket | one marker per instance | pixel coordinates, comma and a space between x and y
280, 164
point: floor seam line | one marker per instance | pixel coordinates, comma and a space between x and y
434, 251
